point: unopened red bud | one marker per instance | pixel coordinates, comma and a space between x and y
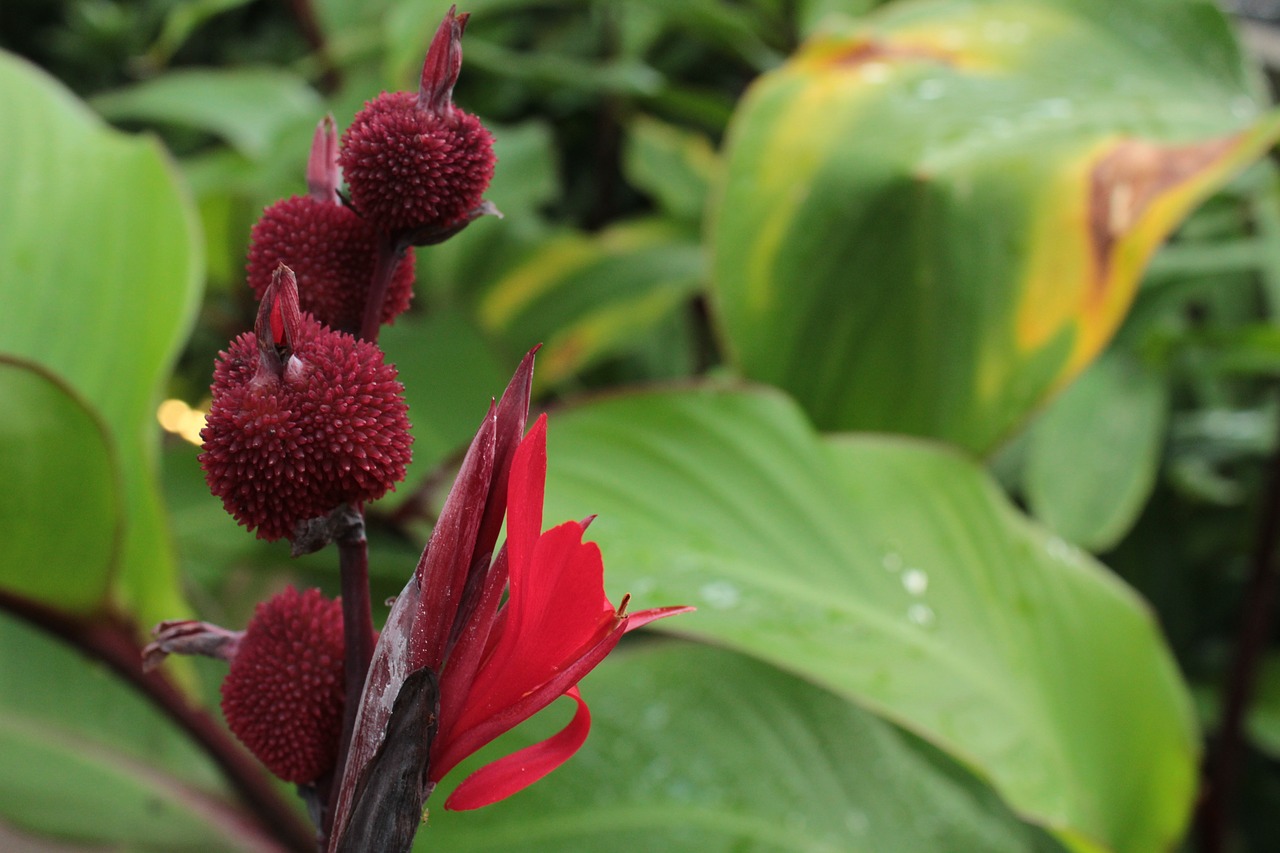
283, 696
303, 419
332, 251
415, 164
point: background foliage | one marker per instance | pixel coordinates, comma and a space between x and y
859, 335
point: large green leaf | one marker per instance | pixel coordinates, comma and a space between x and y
84, 759
60, 505
248, 107
590, 296
895, 573
780, 765
931, 220
99, 279
1092, 456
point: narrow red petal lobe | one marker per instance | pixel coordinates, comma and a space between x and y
557, 605
461, 743
644, 617
277, 322
517, 771
525, 490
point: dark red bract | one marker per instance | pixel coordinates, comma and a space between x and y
283, 695
333, 253
291, 437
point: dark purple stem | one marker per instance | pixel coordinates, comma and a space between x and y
309, 26
390, 253
112, 641
358, 635
1217, 806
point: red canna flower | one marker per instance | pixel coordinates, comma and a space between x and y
303, 420
415, 164
512, 661
496, 664
331, 250
283, 695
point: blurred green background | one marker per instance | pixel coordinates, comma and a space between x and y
928, 347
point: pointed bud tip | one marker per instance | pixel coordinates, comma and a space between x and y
443, 62
323, 175
279, 317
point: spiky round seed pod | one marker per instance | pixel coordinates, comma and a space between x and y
283, 696
410, 168
330, 428
333, 252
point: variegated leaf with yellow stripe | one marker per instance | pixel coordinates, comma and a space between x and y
932, 219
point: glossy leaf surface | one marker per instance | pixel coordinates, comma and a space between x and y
781, 765
895, 573
1092, 456
99, 279
933, 218
60, 505
84, 759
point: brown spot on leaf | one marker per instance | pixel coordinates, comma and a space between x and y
874, 50
1128, 180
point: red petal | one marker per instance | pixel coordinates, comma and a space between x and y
524, 495
519, 770
556, 611
644, 617
442, 571
513, 411
477, 635
464, 741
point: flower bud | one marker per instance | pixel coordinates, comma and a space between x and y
415, 164
283, 695
303, 419
331, 250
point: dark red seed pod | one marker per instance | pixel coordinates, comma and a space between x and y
409, 169
283, 696
303, 419
414, 163
333, 252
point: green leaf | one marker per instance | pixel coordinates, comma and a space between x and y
84, 759
932, 219
673, 165
450, 375
894, 573
248, 107
100, 276
60, 506
780, 765
523, 182
587, 297
1092, 458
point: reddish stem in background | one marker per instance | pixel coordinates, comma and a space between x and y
112, 641
309, 26
358, 636
1223, 766
390, 253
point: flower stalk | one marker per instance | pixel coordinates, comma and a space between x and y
308, 423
